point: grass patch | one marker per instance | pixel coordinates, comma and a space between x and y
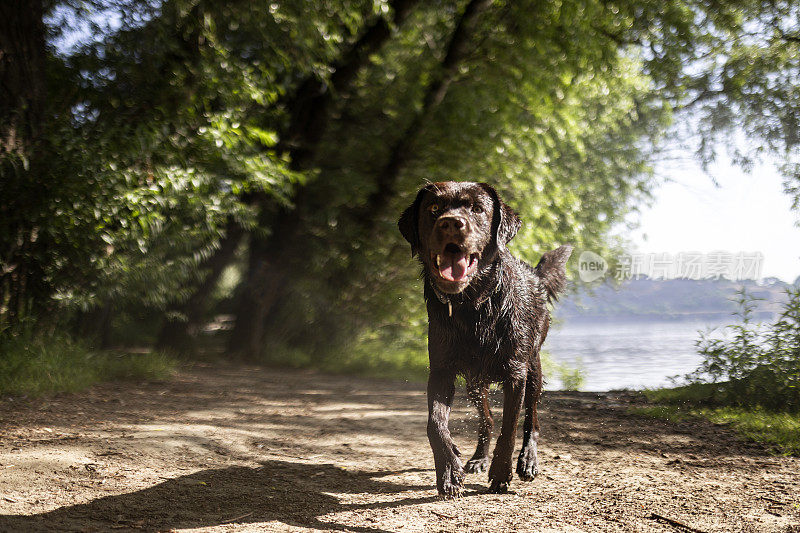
694, 394
393, 360
34, 366
390, 363
779, 431
405, 364
371, 355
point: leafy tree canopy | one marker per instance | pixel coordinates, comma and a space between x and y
274, 143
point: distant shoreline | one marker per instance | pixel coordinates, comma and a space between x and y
722, 317
679, 300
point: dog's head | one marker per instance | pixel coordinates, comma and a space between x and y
457, 228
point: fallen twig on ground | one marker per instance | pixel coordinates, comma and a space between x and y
673, 522
234, 519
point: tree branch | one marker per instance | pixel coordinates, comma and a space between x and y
791, 37
702, 96
457, 49
616, 37
310, 106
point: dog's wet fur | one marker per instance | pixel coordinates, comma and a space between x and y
487, 320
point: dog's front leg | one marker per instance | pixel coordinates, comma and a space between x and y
478, 394
527, 465
500, 470
449, 472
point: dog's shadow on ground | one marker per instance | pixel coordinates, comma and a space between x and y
294, 494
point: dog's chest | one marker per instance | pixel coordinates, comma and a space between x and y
480, 342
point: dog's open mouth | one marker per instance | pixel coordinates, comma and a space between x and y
454, 263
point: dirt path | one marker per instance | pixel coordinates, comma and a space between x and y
250, 449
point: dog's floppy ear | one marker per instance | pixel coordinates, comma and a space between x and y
409, 221
506, 221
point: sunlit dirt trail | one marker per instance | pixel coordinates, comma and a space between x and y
236, 448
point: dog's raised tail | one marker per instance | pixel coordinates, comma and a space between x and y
551, 269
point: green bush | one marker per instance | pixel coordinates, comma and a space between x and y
749, 379
752, 364
39, 364
571, 377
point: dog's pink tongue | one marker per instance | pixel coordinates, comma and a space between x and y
454, 266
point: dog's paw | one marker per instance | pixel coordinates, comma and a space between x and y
499, 476
476, 466
527, 466
452, 482
450, 491
498, 487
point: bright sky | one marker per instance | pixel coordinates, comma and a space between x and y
745, 213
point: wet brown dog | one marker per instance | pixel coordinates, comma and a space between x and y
487, 320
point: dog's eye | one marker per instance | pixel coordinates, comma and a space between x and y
434, 209
477, 208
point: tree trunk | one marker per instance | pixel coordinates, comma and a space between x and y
178, 331
22, 67
311, 109
22, 118
95, 325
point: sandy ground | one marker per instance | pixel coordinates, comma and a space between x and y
235, 448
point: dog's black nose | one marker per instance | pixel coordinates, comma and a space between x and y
451, 225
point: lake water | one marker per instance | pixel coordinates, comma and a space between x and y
632, 355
